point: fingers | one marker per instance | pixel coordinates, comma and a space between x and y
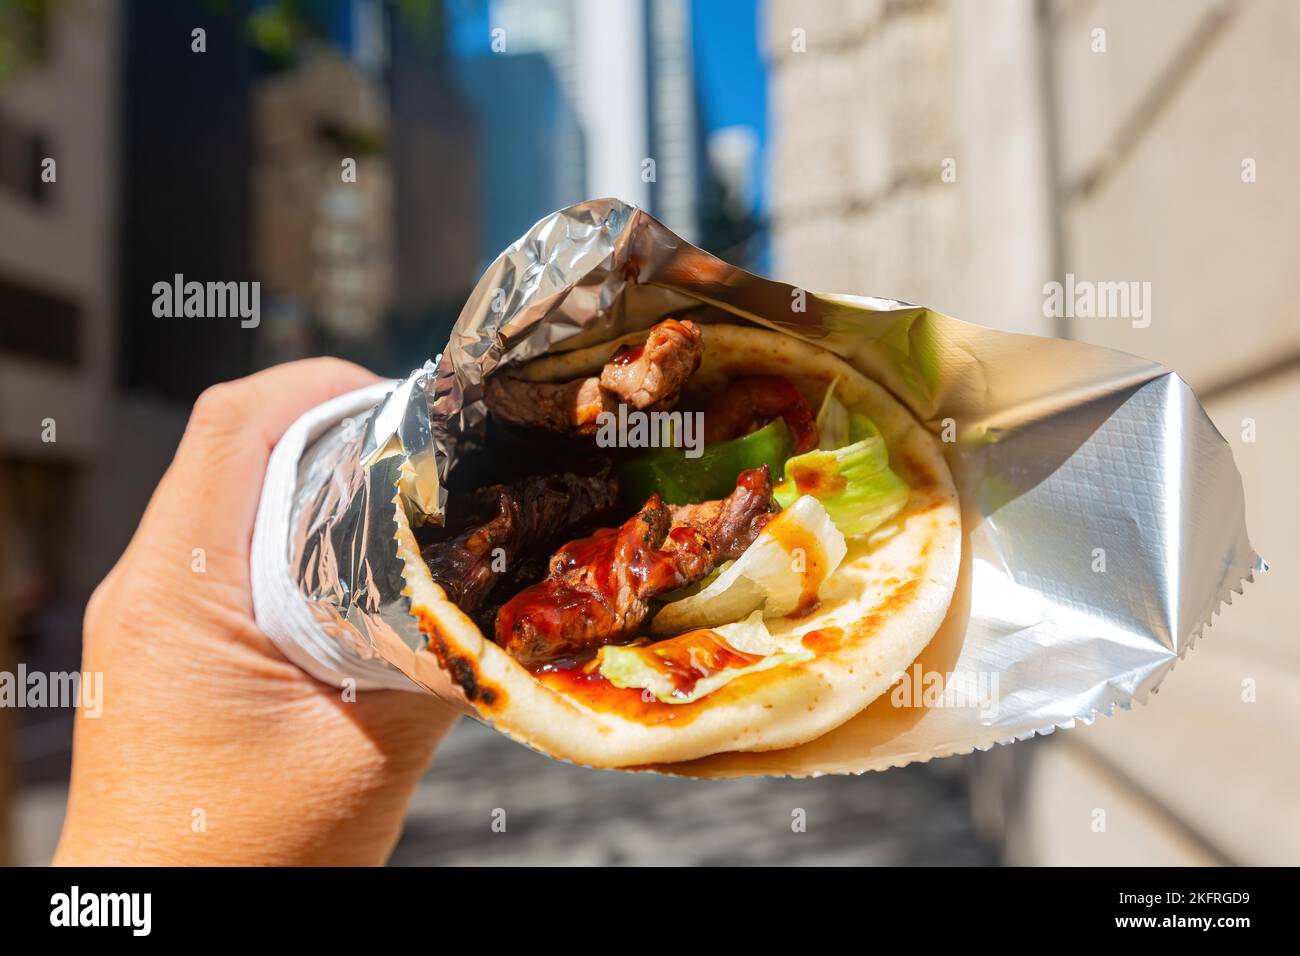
210, 492
264, 405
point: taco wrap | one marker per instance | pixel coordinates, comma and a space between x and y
691, 540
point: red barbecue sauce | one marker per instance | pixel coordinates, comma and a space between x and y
823, 639
587, 685
819, 482
552, 602
750, 403
686, 660
689, 658
627, 354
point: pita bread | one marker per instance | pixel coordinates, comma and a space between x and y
878, 610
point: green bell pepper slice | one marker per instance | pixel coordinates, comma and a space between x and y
681, 480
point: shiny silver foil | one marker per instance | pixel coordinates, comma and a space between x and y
1062, 452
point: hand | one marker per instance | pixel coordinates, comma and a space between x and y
212, 748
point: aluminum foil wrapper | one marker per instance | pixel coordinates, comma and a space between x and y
1058, 449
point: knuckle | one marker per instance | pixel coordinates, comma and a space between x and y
329, 367
217, 407
327, 363
95, 607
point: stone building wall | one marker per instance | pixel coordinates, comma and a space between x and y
1147, 141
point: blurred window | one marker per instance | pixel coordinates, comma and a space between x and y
21, 152
38, 324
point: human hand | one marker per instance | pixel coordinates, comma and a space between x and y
212, 748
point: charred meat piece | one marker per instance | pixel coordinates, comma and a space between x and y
650, 375
517, 517
731, 525
558, 407
598, 588
526, 571
750, 403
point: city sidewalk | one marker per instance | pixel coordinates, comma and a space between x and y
556, 813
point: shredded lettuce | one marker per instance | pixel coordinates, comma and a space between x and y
646, 668
832, 420
764, 577
696, 588
854, 483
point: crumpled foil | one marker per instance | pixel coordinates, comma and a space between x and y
1103, 516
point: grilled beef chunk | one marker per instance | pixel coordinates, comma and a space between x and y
598, 588
731, 524
751, 402
649, 375
525, 572
557, 407
652, 374
517, 517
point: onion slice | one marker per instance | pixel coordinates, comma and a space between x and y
787, 564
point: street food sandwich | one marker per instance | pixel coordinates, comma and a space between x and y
695, 539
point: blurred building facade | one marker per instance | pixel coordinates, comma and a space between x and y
963, 154
586, 98
338, 154
322, 193
58, 261
142, 141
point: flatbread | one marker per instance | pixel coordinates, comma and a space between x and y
878, 610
